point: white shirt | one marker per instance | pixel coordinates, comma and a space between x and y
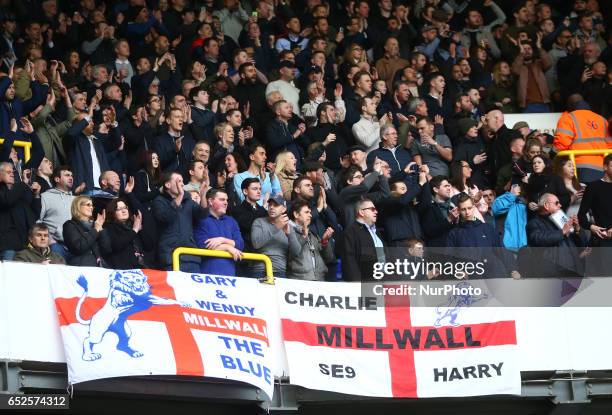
95, 163
289, 92
367, 132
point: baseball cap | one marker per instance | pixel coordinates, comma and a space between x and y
355, 148
278, 199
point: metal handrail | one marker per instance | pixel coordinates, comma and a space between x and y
573, 153
26, 145
222, 254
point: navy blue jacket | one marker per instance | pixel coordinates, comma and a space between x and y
80, 155
397, 161
169, 159
399, 215
212, 227
176, 226
17, 107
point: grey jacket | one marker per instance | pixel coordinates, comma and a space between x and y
309, 263
267, 239
55, 211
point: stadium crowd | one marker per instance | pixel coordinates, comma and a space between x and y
326, 135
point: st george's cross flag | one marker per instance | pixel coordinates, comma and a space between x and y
336, 340
146, 322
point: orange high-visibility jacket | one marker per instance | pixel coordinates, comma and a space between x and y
583, 130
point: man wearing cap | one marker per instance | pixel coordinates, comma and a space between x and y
285, 86
274, 237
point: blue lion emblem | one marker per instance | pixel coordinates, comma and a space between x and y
451, 309
129, 293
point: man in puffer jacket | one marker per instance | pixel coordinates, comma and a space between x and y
513, 207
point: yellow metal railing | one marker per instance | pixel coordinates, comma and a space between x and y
246, 256
26, 145
573, 153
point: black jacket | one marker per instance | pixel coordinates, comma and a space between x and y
399, 215
358, 253
552, 253
245, 214
435, 225
18, 212
82, 243
121, 247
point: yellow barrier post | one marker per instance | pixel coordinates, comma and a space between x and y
248, 256
26, 145
573, 153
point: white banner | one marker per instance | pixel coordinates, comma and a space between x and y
338, 341
122, 323
546, 123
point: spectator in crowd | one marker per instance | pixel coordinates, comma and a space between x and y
146, 181
82, 234
198, 176
275, 237
389, 151
19, 205
220, 232
249, 210
542, 180
473, 233
285, 86
56, 208
461, 181
476, 32
38, 251
438, 214
511, 206
332, 133
437, 104
43, 175
286, 172
398, 212
362, 245
374, 186
367, 130
315, 252
473, 150
283, 135
515, 171
175, 213
563, 167
582, 129
121, 242
500, 137
532, 91
596, 200
432, 149
270, 185
565, 259
502, 92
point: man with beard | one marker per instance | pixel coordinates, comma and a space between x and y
532, 90
250, 92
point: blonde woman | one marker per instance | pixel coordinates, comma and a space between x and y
81, 233
286, 171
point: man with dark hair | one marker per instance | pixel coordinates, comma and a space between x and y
220, 232
483, 242
250, 91
362, 82
437, 104
532, 93
597, 200
362, 245
249, 210
270, 185
55, 207
174, 148
334, 135
201, 115
38, 251
438, 214
175, 213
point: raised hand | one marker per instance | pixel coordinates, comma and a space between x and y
137, 225
27, 126
99, 223
129, 186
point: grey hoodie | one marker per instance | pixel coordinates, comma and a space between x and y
55, 211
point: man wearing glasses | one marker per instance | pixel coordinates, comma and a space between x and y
560, 254
362, 244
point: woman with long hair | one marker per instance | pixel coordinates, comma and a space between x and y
146, 181
81, 234
286, 171
501, 94
122, 246
72, 63
480, 63
543, 181
461, 182
232, 165
563, 167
